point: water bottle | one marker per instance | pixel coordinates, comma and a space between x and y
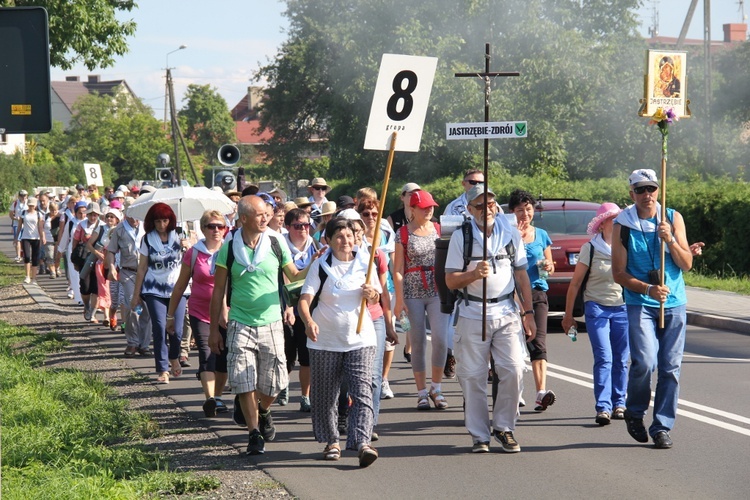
405, 324
543, 273
138, 309
573, 333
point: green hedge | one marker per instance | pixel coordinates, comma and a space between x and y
715, 210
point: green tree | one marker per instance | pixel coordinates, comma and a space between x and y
209, 122
84, 31
119, 133
581, 77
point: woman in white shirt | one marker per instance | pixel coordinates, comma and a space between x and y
337, 351
32, 238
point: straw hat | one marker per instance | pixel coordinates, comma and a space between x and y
328, 208
302, 202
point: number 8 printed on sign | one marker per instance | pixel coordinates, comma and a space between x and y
401, 93
93, 174
400, 101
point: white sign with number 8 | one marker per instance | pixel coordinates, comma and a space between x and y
399, 104
93, 174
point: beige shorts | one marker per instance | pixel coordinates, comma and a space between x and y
256, 359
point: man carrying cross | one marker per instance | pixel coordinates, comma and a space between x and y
505, 272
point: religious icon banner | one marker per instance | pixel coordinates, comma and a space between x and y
666, 82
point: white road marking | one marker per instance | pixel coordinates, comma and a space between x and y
682, 402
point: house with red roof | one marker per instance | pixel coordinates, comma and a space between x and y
246, 115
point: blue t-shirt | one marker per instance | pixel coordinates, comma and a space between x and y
644, 255
535, 253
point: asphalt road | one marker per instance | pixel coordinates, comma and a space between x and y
564, 453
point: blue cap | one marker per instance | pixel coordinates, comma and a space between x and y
267, 198
80, 204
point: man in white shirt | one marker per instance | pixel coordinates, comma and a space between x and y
505, 272
458, 206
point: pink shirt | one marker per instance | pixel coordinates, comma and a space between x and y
376, 310
203, 285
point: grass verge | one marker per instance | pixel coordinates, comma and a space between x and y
66, 434
734, 284
10, 272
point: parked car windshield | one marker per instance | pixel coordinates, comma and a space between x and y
564, 221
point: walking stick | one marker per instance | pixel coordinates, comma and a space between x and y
376, 236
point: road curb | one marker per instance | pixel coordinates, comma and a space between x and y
718, 322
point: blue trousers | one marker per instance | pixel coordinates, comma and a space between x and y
607, 327
655, 349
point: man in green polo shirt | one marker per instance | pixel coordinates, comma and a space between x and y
256, 362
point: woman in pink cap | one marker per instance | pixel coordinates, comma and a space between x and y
606, 316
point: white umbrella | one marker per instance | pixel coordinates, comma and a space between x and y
188, 203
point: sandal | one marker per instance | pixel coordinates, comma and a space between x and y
130, 351
619, 413
332, 452
423, 403
163, 378
438, 400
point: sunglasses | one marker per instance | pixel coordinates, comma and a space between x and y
319, 188
643, 189
474, 183
214, 227
299, 226
369, 214
480, 206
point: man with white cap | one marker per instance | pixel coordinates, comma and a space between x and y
505, 272
636, 261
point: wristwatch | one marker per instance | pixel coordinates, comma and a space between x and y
527, 312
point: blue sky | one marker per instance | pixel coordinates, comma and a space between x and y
228, 40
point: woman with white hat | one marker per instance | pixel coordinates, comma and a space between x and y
606, 316
97, 244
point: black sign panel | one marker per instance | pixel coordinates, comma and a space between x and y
24, 71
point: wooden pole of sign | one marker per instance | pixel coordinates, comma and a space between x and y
376, 236
486, 78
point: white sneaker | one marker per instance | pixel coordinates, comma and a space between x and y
27, 280
18, 259
385, 390
70, 294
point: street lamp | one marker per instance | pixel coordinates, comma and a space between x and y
172, 52
166, 85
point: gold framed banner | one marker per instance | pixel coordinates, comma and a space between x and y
666, 82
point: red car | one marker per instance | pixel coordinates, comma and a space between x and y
566, 222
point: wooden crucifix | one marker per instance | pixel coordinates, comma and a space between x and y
486, 76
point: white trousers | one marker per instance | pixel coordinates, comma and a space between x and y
505, 342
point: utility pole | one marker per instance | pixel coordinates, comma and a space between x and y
175, 128
707, 82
